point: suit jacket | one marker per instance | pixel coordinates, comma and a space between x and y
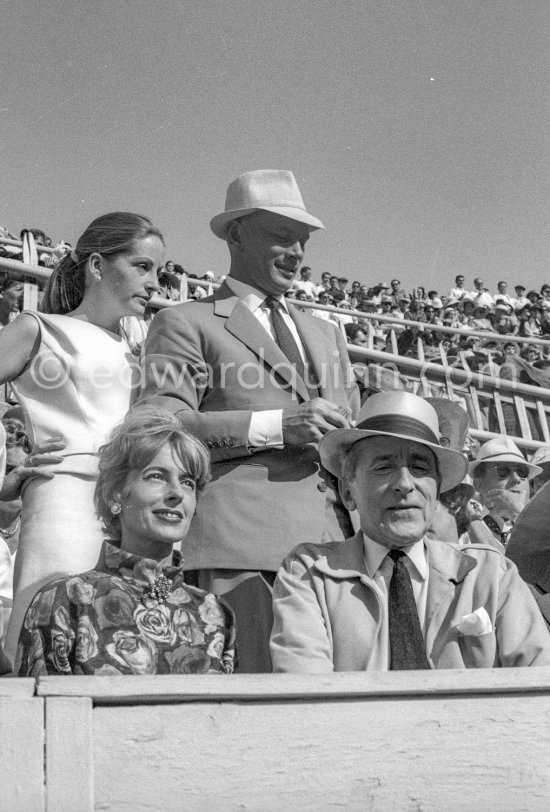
213, 364
327, 613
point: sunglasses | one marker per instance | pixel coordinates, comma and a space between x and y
504, 471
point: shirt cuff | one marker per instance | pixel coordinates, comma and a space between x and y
266, 429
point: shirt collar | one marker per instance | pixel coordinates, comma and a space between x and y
251, 297
375, 554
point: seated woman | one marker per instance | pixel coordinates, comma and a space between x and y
134, 614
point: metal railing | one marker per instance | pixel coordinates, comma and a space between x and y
44, 249
20, 269
487, 398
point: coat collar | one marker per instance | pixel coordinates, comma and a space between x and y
448, 567
345, 558
448, 564
242, 324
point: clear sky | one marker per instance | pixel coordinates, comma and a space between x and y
418, 130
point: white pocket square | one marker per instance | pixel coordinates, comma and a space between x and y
475, 624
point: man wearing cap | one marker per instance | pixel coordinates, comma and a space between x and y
390, 597
501, 476
260, 383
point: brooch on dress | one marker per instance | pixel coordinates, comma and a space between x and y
160, 588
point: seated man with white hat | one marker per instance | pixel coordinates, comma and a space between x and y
389, 597
501, 477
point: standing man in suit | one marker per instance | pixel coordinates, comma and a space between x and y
260, 383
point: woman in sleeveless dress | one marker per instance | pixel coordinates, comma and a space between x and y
75, 378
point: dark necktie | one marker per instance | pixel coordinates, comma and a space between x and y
407, 647
287, 342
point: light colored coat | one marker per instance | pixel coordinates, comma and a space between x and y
213, 364
327, 614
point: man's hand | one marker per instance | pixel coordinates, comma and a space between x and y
507, 503
40, 455
309, 421
473, 510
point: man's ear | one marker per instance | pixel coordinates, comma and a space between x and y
233, 234
345, 495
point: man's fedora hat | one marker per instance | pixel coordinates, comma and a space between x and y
402, 415
501, 450
272, 190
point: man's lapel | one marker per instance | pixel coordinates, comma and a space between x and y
242, 324
448, 567
317, 354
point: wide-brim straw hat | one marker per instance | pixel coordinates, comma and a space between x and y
402, 415
501, 450
273, 190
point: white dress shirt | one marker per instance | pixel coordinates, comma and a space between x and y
266, 427
380, 568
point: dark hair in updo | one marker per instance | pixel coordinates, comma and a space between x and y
108, 235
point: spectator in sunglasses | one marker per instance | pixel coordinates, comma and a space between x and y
501, 477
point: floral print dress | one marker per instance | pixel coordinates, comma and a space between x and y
129, 616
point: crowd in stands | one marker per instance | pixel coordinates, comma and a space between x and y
525, 314
229, 452
497, 314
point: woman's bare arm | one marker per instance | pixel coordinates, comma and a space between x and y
17, 346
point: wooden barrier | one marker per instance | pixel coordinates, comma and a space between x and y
21, 746
456, 740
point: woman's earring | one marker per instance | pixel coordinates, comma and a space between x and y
116, 508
